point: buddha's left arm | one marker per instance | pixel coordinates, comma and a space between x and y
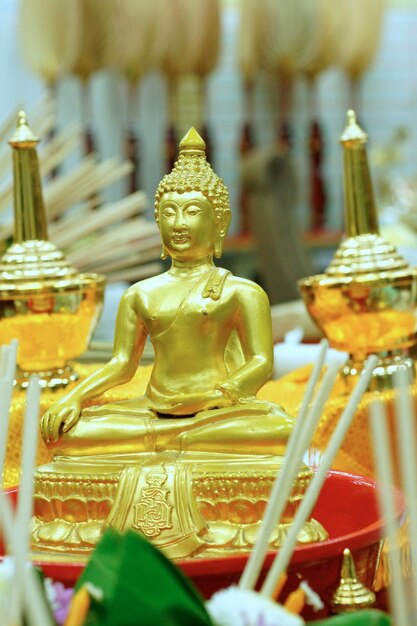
253, 325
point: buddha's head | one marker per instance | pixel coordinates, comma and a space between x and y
192, 204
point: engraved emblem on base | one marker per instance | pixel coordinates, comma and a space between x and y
153, 513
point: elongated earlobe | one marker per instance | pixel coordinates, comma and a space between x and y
218, 247
164, 253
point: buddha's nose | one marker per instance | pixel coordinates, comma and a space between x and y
179, 220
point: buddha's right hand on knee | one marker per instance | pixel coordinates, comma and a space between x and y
61, 414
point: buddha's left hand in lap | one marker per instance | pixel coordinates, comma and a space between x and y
189, 404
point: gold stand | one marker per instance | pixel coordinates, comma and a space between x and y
184, 504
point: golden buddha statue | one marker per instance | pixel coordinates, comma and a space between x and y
211, 334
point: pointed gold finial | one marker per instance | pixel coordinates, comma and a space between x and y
351, 594
23, 136
192, 142
30, 222
360, 211
353, 133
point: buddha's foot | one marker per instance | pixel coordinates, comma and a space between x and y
186, 503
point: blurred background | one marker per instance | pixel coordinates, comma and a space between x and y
267, 83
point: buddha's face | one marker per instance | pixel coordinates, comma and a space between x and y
188, 225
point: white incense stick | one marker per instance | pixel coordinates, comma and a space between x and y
37, 612
407, 454
6, 390
298, 442
314, 377
382, 453
283, 557
7, 367
12, 358
4, 358
28, 461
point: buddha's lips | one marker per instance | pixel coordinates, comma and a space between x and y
180, 238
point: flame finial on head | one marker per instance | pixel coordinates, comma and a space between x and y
192, 142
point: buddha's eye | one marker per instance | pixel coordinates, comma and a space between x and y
168, 212
193, 210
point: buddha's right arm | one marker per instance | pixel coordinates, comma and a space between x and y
129, 341
130, 337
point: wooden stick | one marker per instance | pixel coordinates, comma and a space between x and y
54, 189
70, 189
6, 166
77, 227
59, 148
382, 453
107, 252
45, 125
123, 263
9, 125
298, 442
407, 454
80, 212
6, 197
283, 557
45, 107
134, 229
136, 273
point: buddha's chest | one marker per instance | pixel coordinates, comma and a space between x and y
185, 312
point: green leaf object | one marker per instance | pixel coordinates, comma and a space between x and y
140, 586
370, 617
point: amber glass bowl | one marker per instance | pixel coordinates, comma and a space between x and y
366, 314
53, 322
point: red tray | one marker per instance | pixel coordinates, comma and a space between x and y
347, 508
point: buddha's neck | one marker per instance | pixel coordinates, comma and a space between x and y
191, 268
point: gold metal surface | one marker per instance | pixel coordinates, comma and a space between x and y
351, 595
44, 302
366, 301
186, 504
211, 334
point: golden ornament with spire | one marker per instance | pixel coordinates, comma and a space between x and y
351, 594
44, 302
190, 463
366, 301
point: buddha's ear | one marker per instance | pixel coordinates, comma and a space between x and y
222, 228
